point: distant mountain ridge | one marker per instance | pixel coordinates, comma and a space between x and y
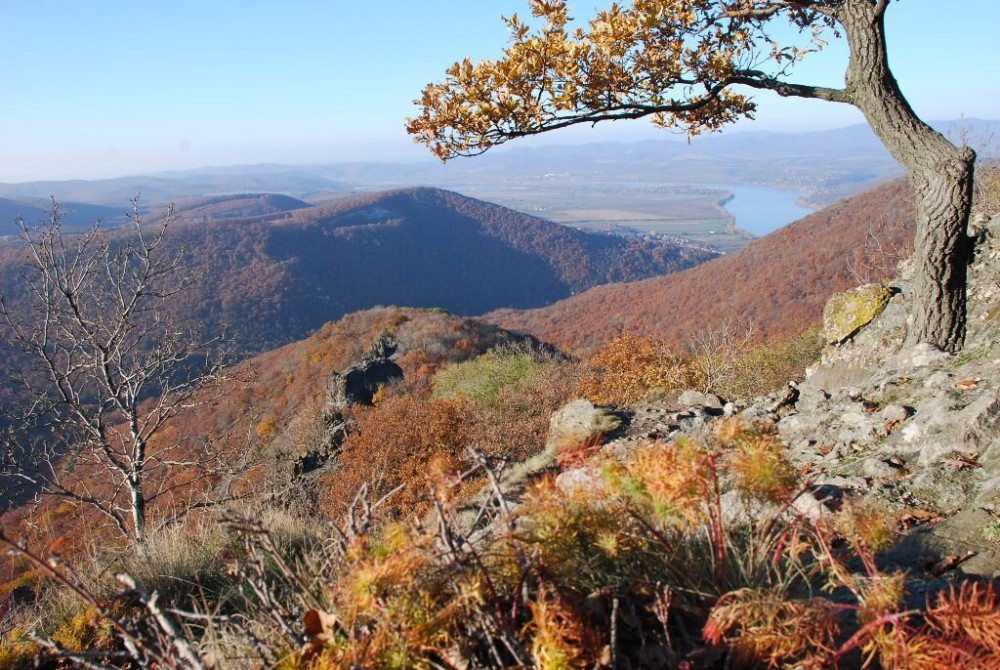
831, 163
76, 215
160, 189
237, 206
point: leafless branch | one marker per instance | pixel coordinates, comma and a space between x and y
107, 367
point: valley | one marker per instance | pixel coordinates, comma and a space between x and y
485, 414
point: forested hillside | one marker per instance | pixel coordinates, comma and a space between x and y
272, 269
779, 282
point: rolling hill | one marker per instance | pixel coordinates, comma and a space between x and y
76, 215
273, 269
247, 205
275, 279
781, 281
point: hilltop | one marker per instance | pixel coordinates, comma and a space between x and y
242, 206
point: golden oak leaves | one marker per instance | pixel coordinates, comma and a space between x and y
673, 60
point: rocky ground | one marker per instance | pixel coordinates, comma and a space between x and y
908, 429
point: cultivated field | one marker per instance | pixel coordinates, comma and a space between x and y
691, 212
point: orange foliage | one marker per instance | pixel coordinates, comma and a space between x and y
393, 444
628, 367
779, 283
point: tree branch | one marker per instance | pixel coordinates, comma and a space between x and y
760, 80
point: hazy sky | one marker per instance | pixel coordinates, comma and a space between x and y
108, 87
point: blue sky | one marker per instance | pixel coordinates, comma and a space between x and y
108, 87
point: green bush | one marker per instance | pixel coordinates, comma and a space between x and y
481, 379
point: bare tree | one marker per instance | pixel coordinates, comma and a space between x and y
717, 353
878, 256
103, 368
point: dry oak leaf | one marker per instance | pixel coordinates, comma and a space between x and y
917, 517
319, 627
963, 462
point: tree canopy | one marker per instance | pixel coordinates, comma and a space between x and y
693, 64
674, 61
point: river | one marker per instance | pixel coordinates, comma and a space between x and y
761, 210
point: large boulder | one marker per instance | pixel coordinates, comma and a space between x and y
848, 312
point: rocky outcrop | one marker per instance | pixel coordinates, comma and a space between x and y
909, 430
358, 384
309, 443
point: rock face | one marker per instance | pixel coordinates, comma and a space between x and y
358, 384
916, 430
846, 313
296, 461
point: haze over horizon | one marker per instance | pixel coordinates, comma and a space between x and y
94, 91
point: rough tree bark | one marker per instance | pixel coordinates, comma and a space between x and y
940, 173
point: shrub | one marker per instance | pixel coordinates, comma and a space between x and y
481, 379
515, 424
988, 188
655, 565
729, 362
628, 368
394, 444
724, 360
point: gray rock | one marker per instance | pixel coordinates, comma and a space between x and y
580, 479
896, 413
755, 414
811, 398
920, 356
579, 421
819, 500
805, 444
857, 484
877, 467
699, 399
912, 433
357, 385
849, 393
938, 379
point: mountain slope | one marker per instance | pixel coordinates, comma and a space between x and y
278, 279
780, 281
274, 277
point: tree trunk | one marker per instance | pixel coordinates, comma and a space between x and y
941, 175
138, 504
